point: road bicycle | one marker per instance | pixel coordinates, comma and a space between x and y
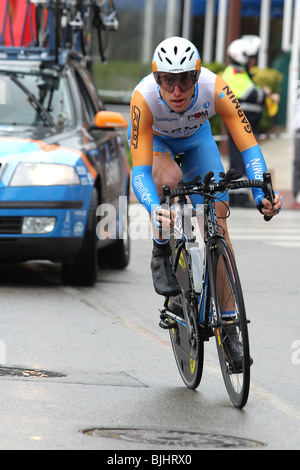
211, 302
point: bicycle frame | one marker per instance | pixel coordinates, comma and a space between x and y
206, 312
211, 232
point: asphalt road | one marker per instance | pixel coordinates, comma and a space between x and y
90, 368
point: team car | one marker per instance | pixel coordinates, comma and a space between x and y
63, 157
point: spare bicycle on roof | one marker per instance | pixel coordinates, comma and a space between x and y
50, 28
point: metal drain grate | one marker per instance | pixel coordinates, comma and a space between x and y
195, 440
19, 372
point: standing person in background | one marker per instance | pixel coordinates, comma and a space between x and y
243, 55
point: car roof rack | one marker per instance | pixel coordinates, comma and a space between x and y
53, 30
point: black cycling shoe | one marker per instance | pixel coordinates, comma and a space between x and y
164, 280
233, 349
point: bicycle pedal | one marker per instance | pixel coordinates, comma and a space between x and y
166, 325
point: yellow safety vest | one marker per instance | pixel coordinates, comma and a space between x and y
242, 86
239, 81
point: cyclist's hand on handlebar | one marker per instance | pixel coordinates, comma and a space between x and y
270, 210
163, 220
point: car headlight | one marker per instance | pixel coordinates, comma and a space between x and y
38, 225
44, 174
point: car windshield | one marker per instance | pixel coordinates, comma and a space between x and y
37, 98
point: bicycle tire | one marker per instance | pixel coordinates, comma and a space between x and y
226, 290
188, 352
88, 13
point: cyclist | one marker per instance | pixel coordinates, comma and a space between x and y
170, 111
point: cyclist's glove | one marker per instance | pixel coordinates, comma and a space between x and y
259, 204
157, 222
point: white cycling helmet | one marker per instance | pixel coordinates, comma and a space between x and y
254, 44
242, 49
176, 55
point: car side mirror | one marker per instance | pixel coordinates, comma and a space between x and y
110, 119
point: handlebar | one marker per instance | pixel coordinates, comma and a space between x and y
228, 181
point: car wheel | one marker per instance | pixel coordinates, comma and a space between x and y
117, 255
83, 271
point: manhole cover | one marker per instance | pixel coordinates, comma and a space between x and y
173, 438
19, 372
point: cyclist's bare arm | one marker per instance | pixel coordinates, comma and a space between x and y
141, 145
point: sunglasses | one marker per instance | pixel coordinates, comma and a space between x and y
168, 81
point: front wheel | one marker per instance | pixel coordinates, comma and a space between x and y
229, 322
186, 340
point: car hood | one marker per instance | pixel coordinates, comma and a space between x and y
29, 132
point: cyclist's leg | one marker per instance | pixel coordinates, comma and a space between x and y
203, 156
165, 172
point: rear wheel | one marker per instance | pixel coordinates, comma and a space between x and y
186, 340
227, 297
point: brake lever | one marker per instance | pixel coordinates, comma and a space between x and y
229, 176
166, 195
268, 192
193, 182
207, 179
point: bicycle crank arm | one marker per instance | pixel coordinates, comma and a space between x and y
165, 320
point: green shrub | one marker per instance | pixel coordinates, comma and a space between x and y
267, 77
119, 75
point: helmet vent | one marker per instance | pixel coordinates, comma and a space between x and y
175, 50
182, 60
168, 60
191, 56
